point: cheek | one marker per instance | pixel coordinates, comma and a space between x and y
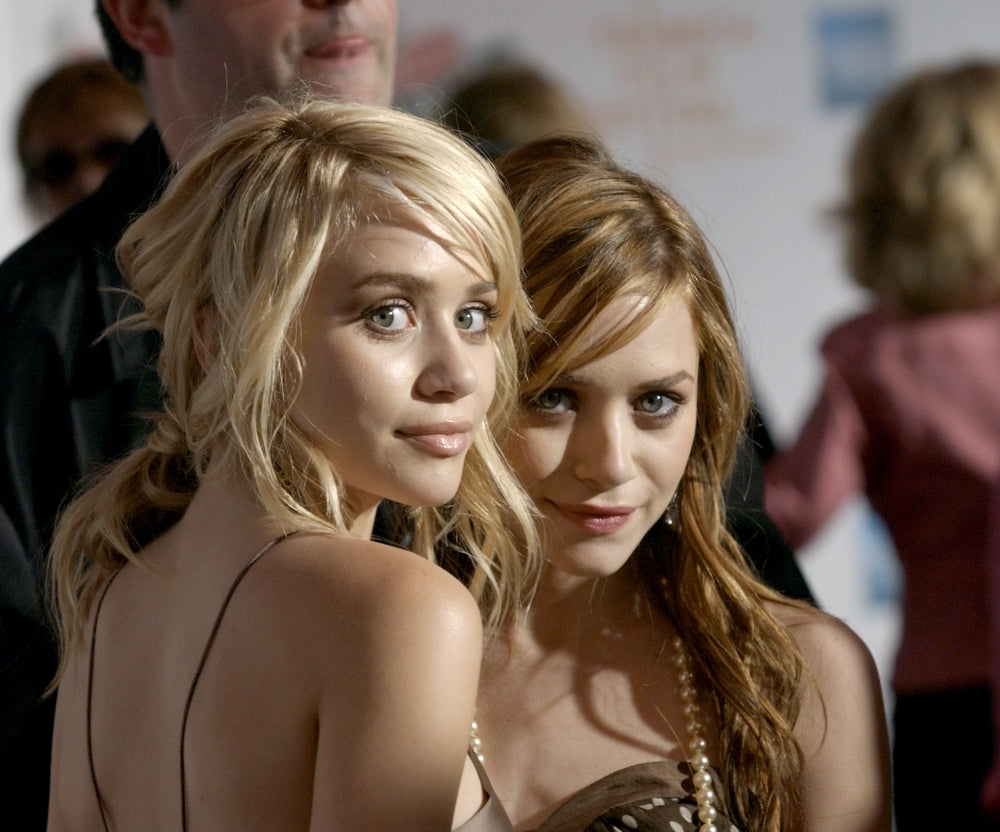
486, 374
667, 462
339, 384
533, 454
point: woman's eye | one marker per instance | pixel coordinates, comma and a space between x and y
551, 400
655, 404
391, 317
474, 319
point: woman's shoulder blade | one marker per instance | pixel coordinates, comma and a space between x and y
323, 580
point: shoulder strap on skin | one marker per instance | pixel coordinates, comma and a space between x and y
204, 657
187, 704
90, 696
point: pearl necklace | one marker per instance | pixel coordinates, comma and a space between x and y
475, 743
704, 795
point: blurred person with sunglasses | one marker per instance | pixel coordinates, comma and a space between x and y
73, 126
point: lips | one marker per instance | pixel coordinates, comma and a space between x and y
442, 439
343, 47
597, 520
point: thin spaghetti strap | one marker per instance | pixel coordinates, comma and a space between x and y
204, 657
187, 705
90, 697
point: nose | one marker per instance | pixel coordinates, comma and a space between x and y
602, 449
448, 372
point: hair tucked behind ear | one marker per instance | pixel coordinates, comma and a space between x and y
594, 232
222, 265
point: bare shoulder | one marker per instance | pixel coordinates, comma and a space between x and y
841, 726
328, 580
830, 648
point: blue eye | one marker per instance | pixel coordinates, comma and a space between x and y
391, 316
552, 400
655, 404
474, 319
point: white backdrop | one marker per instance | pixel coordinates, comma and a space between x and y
743, 108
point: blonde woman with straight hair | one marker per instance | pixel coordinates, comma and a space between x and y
336, 286
654, 683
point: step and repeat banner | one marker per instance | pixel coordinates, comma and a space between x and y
744, 109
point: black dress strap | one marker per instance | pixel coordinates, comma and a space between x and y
90, 696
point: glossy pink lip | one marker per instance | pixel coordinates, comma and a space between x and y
343, 47
595, 520
441, 439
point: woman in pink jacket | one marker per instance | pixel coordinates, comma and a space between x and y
909, 415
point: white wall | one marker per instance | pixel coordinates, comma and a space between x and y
35, 36
728, 102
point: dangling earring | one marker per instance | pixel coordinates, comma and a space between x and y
672, 517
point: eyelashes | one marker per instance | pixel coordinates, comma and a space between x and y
654, 408
396, 316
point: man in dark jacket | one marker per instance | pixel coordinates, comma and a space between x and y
71, 400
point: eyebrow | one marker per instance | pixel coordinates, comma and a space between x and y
576, 380
414, 284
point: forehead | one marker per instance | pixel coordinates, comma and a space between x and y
405, 238
667, 333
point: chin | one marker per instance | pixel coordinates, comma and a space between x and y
426, 498
587, 558
587, 568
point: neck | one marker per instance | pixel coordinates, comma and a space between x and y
225, 492
182, 122
364, 521
568, 609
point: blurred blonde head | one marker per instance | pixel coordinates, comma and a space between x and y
923, 208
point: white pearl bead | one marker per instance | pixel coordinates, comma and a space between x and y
699, 761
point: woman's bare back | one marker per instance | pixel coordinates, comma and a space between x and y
288, 687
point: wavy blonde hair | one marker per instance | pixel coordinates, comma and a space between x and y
923, 208
594, 232
238, 236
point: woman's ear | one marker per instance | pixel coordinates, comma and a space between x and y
206, 337
142, 23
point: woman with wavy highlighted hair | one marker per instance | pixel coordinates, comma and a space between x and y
336, 287
654, 683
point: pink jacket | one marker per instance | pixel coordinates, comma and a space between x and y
909, 414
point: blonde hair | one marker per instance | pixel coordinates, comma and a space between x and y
923, 210
238, 237
594, 232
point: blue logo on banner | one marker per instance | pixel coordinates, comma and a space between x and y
856, 54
